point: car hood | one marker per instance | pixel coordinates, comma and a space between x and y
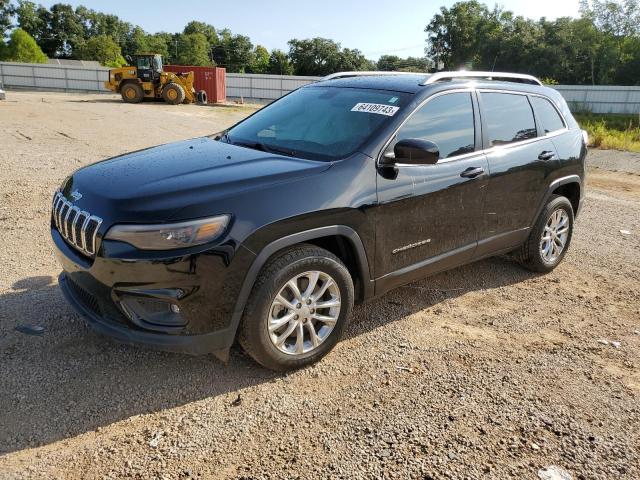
157, 183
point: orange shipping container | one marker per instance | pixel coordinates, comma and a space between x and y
210, 79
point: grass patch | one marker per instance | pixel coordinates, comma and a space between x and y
612, 132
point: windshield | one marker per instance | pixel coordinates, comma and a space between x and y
319, 123
143, 63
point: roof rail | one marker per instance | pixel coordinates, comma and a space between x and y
333, 76
513, 77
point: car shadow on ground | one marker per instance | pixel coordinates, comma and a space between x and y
70, 380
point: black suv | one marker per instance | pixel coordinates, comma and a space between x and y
269, 231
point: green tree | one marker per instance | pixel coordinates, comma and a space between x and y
392, 63
260, 62
193, 49
620, 18
279, 63
139, 41
64, 33
103, 49
7, 11
354, 60
23, 48
207, 30
33, 19
316, 56
456, 35
239, 53
98, 23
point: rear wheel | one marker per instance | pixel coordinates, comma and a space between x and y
132, 93
549, 239
173, 94
298, 309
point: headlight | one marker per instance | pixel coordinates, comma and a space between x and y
171, 235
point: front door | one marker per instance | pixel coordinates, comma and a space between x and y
428, 216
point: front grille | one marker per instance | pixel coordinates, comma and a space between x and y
84, 297
77, 227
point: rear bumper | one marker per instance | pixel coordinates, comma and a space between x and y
190, 344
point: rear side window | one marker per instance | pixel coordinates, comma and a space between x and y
509, 118
548, 116
446, 121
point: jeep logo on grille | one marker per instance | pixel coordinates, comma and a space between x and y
76, 195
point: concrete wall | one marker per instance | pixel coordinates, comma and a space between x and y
53, 77
604, 99
263, 88
266, 88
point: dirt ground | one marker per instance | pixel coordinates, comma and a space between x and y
487, 371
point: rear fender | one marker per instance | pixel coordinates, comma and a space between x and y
558, 183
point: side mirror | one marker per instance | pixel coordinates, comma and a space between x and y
415, 151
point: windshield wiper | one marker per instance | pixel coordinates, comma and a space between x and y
262, 147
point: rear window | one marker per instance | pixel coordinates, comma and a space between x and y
319, 123
509, 118
548, 116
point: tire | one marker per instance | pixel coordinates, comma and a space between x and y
263, 310
532, 253
201, 97
132, 93
173, 94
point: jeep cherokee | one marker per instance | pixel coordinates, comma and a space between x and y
269, 231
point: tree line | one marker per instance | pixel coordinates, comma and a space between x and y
602, 46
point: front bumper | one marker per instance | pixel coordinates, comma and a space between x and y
206, 282
190, 344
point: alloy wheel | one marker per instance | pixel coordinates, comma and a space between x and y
304, 313
554, 236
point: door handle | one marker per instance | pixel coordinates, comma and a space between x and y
546, 155
472, 172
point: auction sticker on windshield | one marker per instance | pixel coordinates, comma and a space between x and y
378, 108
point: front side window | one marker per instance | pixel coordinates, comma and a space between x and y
509, 118
447, 121
143, 63
319, 123
548, 116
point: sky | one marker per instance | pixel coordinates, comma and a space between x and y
376, 27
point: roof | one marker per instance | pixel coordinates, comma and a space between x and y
396, 83
414, 83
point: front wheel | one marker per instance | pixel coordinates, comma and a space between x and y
298, 308
550, 237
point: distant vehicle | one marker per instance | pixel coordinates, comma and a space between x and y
145, 78
2, 94
269, 231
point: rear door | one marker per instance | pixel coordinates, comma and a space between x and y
521, 159
428, 215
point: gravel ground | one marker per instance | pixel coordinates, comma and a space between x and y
614, 160
487, 371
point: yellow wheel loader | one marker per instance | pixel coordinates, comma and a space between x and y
144, 78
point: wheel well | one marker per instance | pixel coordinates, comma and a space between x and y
127, 81
342, 248
572, 192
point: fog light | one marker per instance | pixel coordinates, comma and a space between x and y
153, 313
